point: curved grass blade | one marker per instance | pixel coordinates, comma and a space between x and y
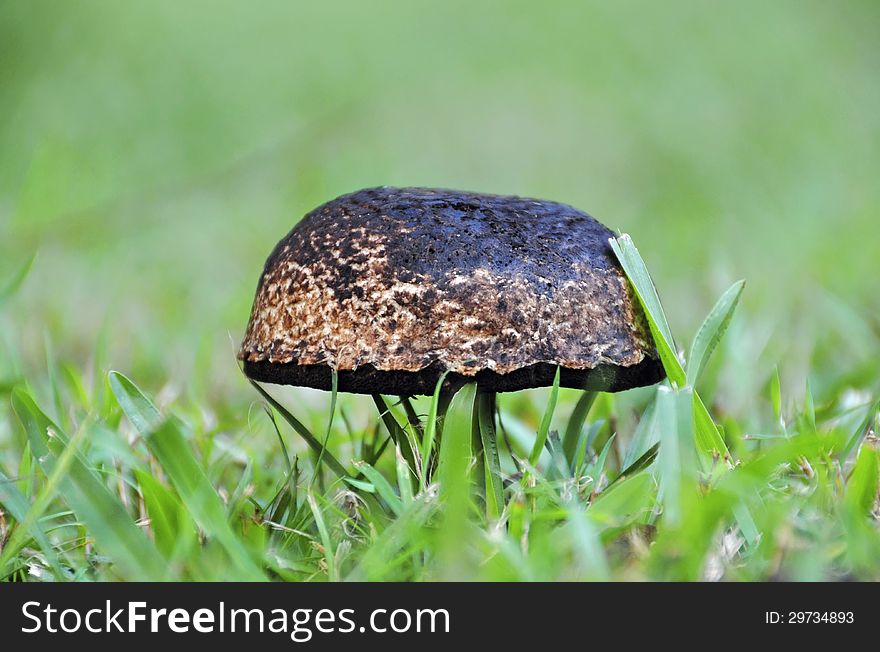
712, 330
640, 464
708, 437
597, 467
544, 428
646, 293
430, 432
398, 434
412, 416
382, 486
14, 283
576, 425
301, 430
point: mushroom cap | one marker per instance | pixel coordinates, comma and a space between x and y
393, 287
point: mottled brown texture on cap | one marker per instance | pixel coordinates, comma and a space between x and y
393, 286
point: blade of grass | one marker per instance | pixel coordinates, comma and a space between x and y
544, 428
712, 330
494, 486
398, 434
300, 429
627, 500
333, 393
640, 464
776, 398
430, 432
708, 437
108, 521
138, 409
646, 292
293, 488
382, 486
861, 488
809, 412
168, 520
404, 486
860, 531
576, 424
17, 280
455, 479
861, 432
324, 533
378, 557
586, 442
287, 492
412, 417
167, 444
746, 523
195, 490
28, 519
677, 472
597, 468
644, 436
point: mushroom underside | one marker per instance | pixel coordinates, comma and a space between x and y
369, 380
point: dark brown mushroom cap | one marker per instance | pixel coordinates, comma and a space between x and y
394, 286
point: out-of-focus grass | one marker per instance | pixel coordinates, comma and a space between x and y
152, 155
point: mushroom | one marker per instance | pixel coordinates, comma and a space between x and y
394, 287
399, 290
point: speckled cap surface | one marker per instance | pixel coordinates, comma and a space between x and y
392, 287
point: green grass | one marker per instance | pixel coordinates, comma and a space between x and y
150, 158
698, 501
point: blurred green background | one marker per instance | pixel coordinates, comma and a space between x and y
153, 153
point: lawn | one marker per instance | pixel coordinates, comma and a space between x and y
152, 155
